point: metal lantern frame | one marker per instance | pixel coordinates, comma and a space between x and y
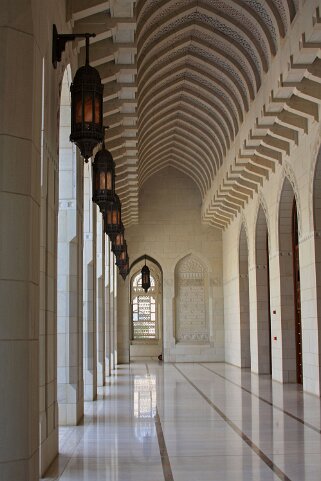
122, 257
145, 277
86, 97
124, 271
123, 266
112, 215
103, 177
118, 240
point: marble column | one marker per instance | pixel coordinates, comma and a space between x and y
111, 310
48, 306
20, 149
107, 306
100, 303
115, 313
70, 390
89, 278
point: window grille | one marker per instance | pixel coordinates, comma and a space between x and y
144, 310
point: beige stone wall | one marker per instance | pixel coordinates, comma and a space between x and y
169, 230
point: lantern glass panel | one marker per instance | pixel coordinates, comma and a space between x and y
88, 109
109, 180
102, 181
97, 109
78, 108
119, 239
113, 217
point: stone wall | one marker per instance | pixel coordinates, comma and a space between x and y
169, 230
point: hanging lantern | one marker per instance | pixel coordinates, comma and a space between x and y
86, 97
123, 266
118, 240
87, 108
145, 277
122, 256
124, 271
103, 177
112, 215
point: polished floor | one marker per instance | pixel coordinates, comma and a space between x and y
193, 422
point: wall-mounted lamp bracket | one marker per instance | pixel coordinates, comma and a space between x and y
59, 41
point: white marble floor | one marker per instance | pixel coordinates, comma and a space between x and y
193, 422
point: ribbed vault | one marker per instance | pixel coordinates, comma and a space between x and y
199, 65
222, 90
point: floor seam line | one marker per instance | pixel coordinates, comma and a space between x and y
276, 470
166, 465
308, 425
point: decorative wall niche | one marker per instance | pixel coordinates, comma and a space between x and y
191, 301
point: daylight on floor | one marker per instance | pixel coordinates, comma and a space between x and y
160, 241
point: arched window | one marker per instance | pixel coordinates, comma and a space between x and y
144, 309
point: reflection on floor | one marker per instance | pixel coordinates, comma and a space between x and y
193, 422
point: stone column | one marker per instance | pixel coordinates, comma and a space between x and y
277, 347
70, 282
254, 339
89, 269
107, 307
48, 307
123, 316
100, 305
20, 147
310, 259
111, 309
115, 313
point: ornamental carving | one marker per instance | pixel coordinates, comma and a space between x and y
191, 300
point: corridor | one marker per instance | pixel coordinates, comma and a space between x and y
193, 422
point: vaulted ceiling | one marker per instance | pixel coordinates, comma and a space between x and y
219, 89
200, 63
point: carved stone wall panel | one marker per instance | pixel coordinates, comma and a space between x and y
191, 323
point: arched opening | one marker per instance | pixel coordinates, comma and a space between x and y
244, 300
290, 286
146, 325
263, 295
69, 270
